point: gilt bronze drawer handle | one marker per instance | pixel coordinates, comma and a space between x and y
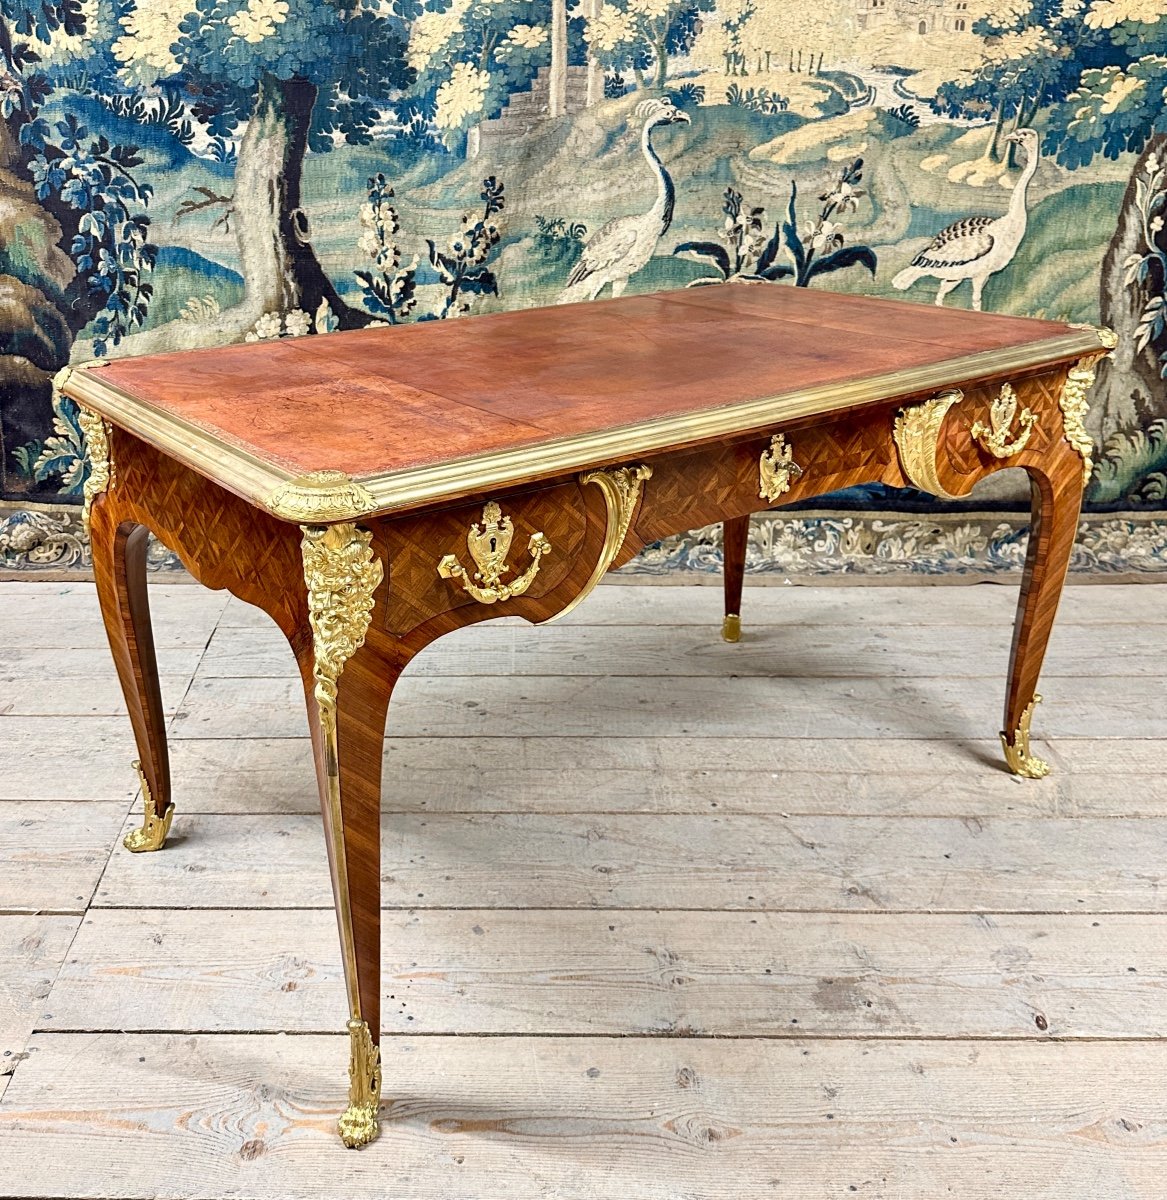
994, 437
489, 544
777, 469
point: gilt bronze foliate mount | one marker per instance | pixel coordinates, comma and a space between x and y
1022, 761
1074, 401
98, 434
917, 437
777, 469
154, 830
918, 427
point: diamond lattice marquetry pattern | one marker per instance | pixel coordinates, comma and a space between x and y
223, 541
416, 544
722, 481
962, 461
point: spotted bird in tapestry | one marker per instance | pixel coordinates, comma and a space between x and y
182, 173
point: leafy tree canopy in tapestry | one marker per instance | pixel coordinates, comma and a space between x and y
178, 173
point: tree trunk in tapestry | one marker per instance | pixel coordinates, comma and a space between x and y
1130, 390
557, 77
280, 269
595, 69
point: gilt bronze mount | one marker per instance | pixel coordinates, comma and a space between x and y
489, 545
777, 469
995, 437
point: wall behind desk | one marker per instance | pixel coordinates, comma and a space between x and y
181, 173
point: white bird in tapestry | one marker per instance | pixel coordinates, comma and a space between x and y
624, 245
976, 247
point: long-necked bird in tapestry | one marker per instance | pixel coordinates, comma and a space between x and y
975, 248
624, 245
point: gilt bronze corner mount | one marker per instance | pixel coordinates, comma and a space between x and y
320, 496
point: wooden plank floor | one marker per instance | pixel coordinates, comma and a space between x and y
666, 919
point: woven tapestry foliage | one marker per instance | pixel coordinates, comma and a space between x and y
185, 173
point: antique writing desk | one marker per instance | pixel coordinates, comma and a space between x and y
374, 490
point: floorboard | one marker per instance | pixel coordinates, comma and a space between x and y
768, 974
630, 706
771, 651
665, 919
648, 861
32, 951
52, 855
67, 758
863, 776
177, 1115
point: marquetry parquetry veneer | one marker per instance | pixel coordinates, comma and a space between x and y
375, 490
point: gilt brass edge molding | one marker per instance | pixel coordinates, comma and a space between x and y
1016, 746
917, 437
155, 829
254, 479
62, 377
621, 487
234, 468
413, 487
1107, 338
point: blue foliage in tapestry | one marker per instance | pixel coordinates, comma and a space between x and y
193, 172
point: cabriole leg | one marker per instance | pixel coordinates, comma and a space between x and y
119, 568
1057, 501
734, 536
348, 688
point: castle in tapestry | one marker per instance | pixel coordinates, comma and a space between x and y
184, 173
925, 16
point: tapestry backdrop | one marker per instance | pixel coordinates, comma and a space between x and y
182, 173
